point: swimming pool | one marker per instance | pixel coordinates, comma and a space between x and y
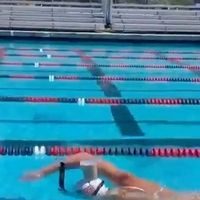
34, 121
50, 92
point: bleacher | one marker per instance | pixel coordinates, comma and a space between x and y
95, 15
51, 16
162, 19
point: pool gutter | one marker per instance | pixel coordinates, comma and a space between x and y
102, 35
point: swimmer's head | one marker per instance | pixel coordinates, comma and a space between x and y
92, 188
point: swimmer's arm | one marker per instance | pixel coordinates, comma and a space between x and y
104, 168
117, 176
127, 180
72, 162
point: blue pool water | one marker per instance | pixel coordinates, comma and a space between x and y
35, 121
71, 122
179, 174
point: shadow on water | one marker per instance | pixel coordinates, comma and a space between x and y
110, 90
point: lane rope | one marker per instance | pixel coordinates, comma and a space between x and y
102, 78
44, 64
99, 151
103, 101
100, 56
99, 50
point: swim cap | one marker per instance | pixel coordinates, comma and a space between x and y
94, 187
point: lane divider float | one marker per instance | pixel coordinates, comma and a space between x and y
36, 64
99, 151
50, 77
102, 78
101, 50
101, 56
103, 101
51, 64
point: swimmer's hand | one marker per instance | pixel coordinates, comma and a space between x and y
31, 176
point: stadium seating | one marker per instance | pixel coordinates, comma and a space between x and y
51, 16
165, 19
61, 15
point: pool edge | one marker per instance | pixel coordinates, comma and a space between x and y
101, 35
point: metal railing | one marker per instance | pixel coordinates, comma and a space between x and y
51, 2
158, 2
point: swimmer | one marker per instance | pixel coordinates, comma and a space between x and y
128, 185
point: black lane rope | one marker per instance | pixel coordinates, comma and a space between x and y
111, 150
98, 78
120, 112
178, 62
100, 56
118, 102
100, 50
90, 65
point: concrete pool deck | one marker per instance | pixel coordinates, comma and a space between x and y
102, 35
